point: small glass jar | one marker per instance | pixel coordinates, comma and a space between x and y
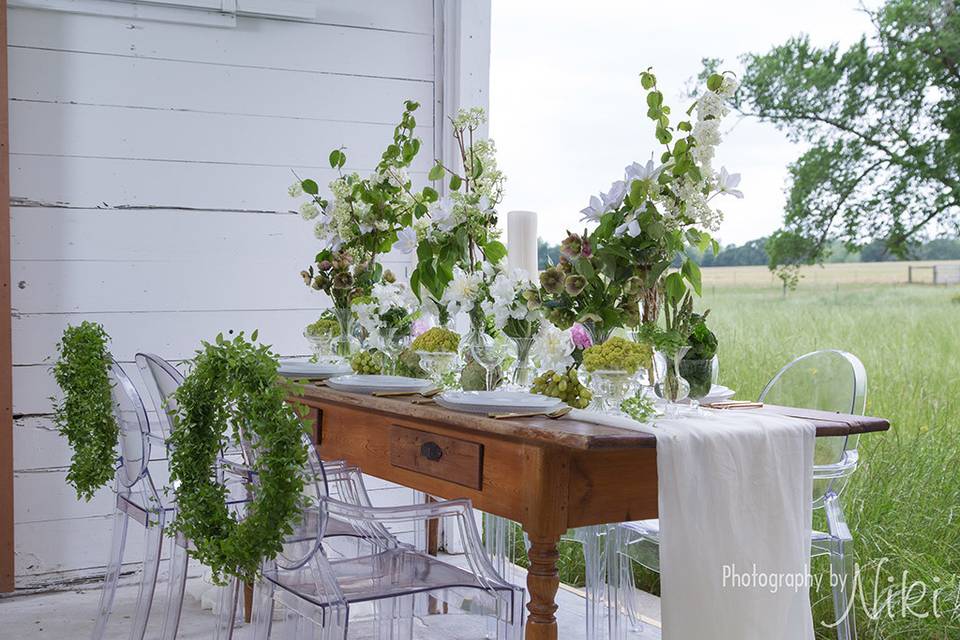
671, 385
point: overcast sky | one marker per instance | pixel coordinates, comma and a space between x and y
568, 113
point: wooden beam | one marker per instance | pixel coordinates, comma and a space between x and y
6, 355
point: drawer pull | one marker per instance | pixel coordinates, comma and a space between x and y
431, 451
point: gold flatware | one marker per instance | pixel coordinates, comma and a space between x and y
735, 404
556, 413
399, 394
427, 400
320, 383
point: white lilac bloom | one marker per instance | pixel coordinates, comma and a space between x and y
729, 86
407, 240
553, 348
295, 190
728, 183
309, 210
462, 292
593, 212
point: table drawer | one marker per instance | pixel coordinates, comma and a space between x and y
452, 459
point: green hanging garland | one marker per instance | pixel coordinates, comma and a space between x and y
85, 414
233, 386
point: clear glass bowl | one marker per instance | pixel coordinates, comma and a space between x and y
610, 388
441, 366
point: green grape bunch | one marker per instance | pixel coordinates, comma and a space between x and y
367, 362
565, 386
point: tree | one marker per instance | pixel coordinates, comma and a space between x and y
882, 120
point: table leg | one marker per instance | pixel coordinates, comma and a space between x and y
543, 580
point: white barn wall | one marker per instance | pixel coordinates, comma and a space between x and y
149, 168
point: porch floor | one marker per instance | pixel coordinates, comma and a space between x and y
71, 612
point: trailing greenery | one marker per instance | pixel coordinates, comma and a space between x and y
85, 415
233, 388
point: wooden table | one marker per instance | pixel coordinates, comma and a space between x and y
548, 475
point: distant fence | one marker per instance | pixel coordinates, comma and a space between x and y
934, 274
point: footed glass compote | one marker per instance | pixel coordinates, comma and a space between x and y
320, 344
610, 388
441, 366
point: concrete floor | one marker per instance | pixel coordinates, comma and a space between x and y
70, 613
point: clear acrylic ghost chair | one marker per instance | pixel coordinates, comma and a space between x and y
140, 496
162, 379
828, 380
318, 582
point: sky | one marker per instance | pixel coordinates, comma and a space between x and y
567, 110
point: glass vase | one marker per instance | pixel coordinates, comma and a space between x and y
347, 343
699, 374
671, 385
522, 376
610, 388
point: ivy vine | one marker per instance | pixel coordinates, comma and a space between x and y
85, 413
232, 389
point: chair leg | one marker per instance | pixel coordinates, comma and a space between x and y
593, 540
179, 560
843, 570
152, 547
227, 610
262, 609
114, 564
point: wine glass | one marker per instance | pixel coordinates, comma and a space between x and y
490, 354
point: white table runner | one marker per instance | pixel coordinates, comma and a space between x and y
735, 523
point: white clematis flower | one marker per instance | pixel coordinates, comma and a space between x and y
637, 171
407, 240
728, 183
594, 211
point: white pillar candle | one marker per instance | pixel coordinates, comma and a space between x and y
522, 242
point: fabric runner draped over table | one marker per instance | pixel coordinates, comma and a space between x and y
735, 505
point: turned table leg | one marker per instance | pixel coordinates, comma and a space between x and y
543, 580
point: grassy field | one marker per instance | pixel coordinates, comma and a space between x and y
903, 504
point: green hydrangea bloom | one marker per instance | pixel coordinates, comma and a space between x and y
437, 339
324, 327
618, 354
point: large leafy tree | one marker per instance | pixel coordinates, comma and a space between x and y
882, 121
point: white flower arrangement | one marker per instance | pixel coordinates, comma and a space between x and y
507, 304
389, 304
553, 348
465, 291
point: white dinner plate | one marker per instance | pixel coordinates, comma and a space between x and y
496, 401
312, 370
369, 384
718, 393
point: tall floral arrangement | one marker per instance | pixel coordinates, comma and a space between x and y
619, 273
364, 216
459, 234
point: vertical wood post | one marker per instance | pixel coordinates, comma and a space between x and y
6, 356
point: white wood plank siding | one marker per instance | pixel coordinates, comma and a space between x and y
149, 168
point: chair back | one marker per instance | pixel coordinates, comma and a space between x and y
826, 380
134, 437
161, 379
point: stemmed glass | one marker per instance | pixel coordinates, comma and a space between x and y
392, 343
490, 353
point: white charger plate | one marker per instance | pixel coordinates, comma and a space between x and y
371, 383
496, 401
312, 370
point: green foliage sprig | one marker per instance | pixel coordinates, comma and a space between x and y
85, 415
233, 388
